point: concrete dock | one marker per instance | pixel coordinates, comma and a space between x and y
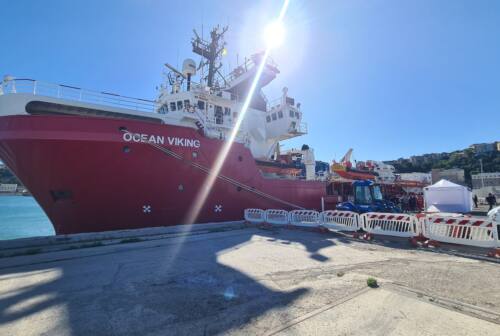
249, 281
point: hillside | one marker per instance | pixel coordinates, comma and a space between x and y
7, 177
466, 159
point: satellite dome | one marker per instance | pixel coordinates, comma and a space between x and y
188, 67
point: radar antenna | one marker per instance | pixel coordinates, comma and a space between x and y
211, 51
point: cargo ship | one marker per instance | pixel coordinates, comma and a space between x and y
99, 161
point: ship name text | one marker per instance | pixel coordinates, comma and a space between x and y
160, 140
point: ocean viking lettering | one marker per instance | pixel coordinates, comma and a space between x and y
160, 140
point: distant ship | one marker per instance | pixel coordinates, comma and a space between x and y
98, 161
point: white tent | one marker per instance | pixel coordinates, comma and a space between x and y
445, 196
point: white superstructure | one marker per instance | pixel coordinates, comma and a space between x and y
215, 111
211, 105
417, 177
385, 171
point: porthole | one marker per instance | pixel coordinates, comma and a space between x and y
240, 158
238, 188
126, 149
180, 187
195, 155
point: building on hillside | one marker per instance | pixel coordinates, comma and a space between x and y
486, 183
455, 175
485, 180
8, 188
426, 158
486, 147
417, 177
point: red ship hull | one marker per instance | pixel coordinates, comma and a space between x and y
88, 178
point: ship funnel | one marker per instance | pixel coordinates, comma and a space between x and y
188, 70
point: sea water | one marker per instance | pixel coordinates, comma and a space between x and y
21, 217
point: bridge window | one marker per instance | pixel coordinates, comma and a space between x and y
163, 109
273, 116
179, 105
297, 115
227, 111
187, 104
268, 119
292, 113
172, 106
280, 114
218, 115
201, 105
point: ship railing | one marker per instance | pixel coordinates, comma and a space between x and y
277, 104
274, 104
60, 91
298, 128
248, 64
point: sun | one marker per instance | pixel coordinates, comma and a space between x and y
274, 34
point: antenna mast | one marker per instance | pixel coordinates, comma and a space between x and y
211, 51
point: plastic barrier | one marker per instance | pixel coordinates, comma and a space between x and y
390, 224
473, 231
308, 218
277, 216
255, 215
340, 220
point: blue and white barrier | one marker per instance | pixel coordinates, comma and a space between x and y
277, 217
255, 215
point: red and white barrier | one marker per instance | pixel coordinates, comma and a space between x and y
277, 216
255, 216
307, 218
340, 220
473, 231
390, 224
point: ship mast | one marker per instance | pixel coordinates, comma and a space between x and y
211, 51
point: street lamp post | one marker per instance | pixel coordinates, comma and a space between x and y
482, 177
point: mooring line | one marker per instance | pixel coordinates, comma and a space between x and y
219, 176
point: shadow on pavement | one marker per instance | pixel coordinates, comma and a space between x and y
169, 289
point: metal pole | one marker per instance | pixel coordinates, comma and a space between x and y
482, 177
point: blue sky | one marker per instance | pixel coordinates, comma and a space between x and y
389, 78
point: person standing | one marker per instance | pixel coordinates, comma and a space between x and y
404, 203
475, 200
420, 202
492, 200
412, 202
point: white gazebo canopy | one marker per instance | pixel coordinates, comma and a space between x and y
446, 196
